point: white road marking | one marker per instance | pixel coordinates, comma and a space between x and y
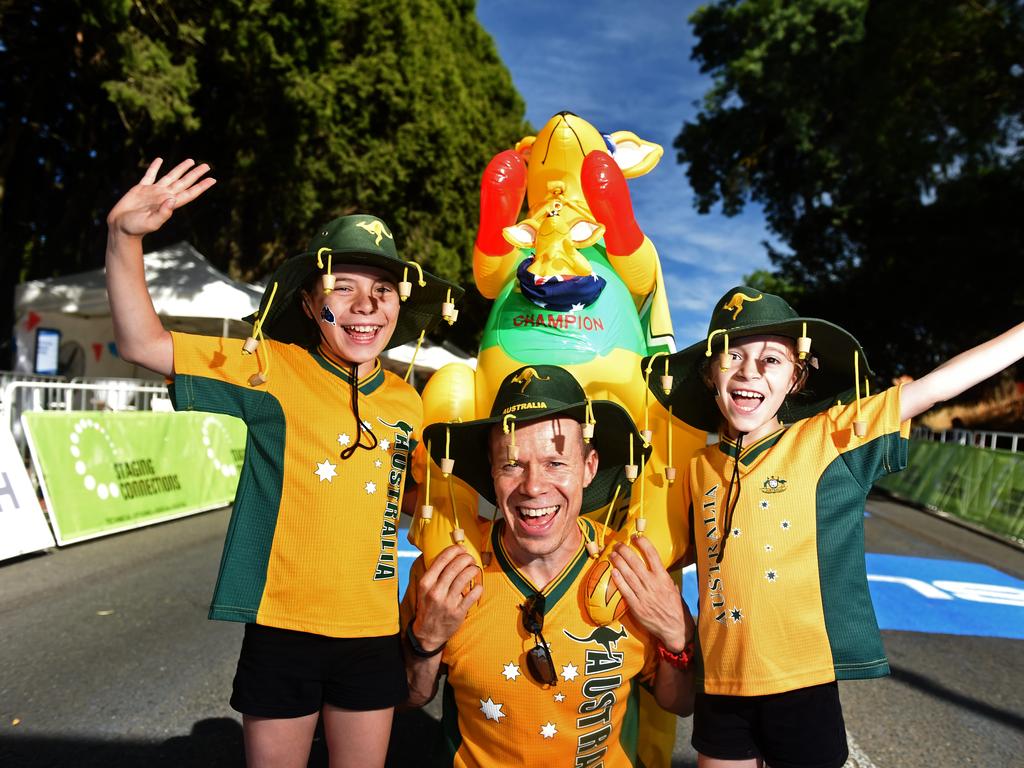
857, 757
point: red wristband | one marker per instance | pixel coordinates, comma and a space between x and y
679, 660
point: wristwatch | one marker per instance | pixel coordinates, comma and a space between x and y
414, 644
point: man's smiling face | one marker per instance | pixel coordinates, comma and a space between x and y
762, 371
540, 494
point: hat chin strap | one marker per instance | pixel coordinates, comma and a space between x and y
347, 452
730, 501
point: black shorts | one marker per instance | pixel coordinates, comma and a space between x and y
796, 729
284, 673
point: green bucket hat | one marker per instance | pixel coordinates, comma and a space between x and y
541, 392
745, 311
357, 239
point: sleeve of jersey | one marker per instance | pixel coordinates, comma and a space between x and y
211, 374
884, 447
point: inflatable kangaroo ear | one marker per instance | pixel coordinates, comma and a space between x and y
634, 155
522, 235
585, 233
525, 146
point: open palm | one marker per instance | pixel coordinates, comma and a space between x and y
149, 204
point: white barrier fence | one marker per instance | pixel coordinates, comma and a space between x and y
47, 444
22, 393
979, 438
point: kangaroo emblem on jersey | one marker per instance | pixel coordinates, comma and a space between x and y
375, 228
526, 376
606, 637
736, 303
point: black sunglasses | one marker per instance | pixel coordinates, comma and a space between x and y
539, 663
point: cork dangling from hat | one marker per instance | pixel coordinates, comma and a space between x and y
363, 240
526, 395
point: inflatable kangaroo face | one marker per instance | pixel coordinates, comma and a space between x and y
556, 233
556, 155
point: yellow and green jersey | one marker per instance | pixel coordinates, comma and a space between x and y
496, 715
313, 539
788, 606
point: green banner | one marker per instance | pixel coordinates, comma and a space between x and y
981, 485
103, 471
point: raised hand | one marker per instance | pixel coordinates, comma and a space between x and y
149, 204
651, 594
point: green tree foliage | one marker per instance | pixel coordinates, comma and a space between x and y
884, 141
306, 110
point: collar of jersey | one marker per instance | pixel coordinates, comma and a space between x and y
561, 583
335, 365
750, 452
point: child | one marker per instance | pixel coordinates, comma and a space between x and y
310, 555
778, 534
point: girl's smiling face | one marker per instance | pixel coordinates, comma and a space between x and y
762, 372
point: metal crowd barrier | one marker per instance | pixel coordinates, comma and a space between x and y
22, 393
979, 438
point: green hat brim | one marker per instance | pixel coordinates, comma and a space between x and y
832, 380
469, 446
286, 322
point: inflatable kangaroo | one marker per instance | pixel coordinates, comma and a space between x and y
575, 283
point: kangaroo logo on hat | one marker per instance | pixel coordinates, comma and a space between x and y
736, 303
526, 376
375, 227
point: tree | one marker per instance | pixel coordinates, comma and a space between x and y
884, 140
306, 110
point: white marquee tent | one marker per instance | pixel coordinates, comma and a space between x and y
188, 293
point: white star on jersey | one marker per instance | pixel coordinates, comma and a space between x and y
326, 471
377, 464
511, 671
548, 730
570, 672
384, 444
370, 487
491, 710
344, 439
559, 697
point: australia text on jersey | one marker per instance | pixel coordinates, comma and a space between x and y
594, 725
716, 589
388, 555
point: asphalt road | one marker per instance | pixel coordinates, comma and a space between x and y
107, 659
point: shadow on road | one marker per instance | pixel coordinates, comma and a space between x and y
212, 743
934, 689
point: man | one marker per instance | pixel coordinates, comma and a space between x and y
530, 681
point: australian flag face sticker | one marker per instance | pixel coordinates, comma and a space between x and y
327, 316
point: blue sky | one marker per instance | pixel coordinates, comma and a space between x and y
627, 66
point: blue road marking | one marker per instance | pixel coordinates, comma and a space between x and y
913, 594
919, 594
